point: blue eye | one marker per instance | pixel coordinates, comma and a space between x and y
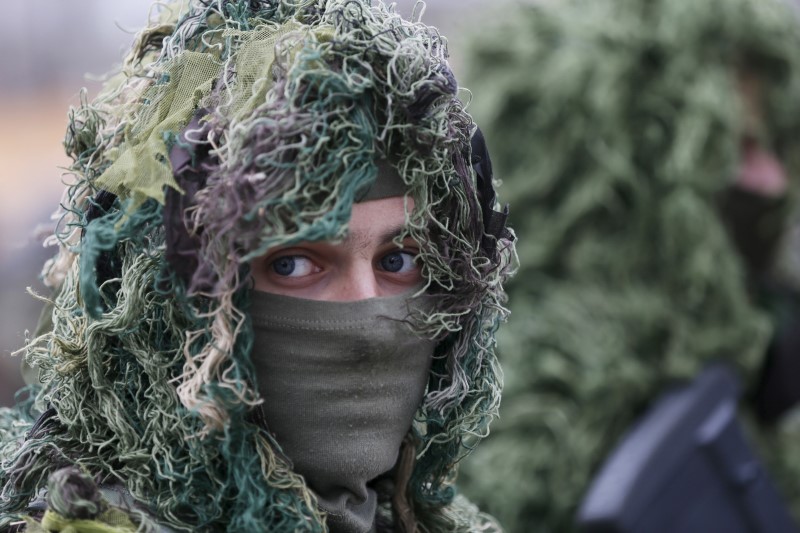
398, 262
293, 266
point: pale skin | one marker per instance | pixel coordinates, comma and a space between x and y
368, 263
760, 169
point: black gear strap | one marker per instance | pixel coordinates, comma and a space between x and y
182, 244
494, 222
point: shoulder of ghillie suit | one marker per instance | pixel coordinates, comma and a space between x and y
145, 382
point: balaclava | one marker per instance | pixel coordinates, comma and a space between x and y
351, 374
233, 127
617, 126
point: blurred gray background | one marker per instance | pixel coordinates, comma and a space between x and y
52, 48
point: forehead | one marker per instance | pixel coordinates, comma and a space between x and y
377, 219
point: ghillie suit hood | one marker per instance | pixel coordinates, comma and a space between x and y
234, 127
617, 125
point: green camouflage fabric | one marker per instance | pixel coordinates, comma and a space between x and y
615, 126
145, 385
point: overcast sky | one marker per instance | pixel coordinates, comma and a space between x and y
61, 41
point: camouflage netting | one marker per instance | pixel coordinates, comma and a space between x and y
616, 126
145, 375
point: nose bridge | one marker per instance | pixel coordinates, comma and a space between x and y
359, 281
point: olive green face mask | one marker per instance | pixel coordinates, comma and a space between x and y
341, 382
756, 224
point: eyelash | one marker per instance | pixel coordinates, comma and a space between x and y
273, 264
404, 269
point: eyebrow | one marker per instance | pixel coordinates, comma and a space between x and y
360, 241
391, 234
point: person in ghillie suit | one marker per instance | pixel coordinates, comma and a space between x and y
651, 148
204, 368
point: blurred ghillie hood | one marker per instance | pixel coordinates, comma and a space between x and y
628, 110
616, 125
233, 127
632, 126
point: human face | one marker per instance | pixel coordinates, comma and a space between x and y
760, 170
366, 264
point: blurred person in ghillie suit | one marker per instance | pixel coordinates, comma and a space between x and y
278, 285
651, 148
